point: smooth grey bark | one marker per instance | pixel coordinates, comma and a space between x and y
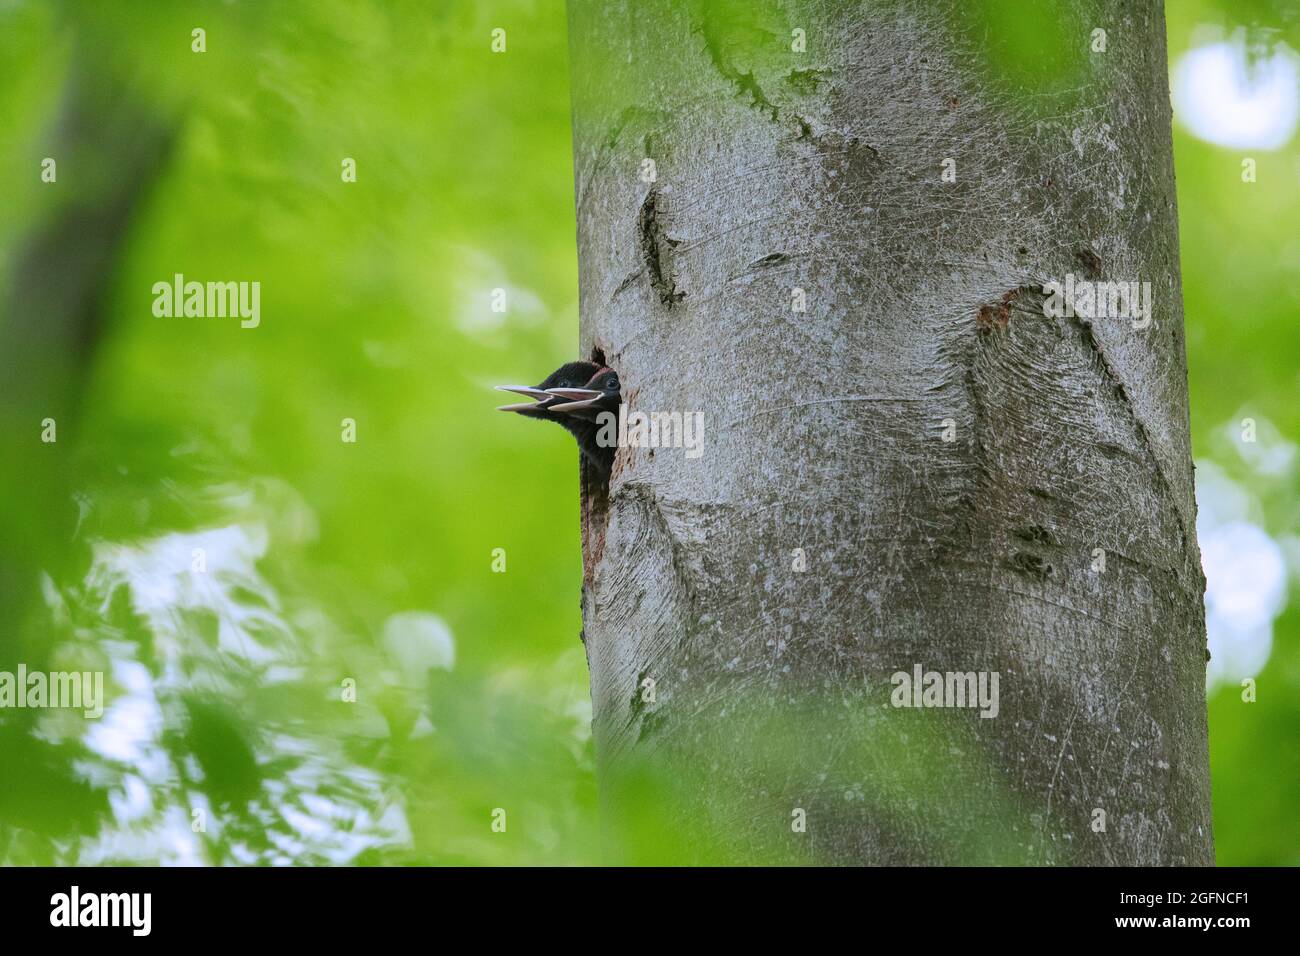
821, 171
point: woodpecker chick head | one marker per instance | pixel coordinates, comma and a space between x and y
574, 395
570, 375
601, 393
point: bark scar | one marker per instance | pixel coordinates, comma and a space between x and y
656, 250
1090, 261
1121, 391
997, 316
655, 528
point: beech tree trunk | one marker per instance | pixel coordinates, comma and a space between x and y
906, 463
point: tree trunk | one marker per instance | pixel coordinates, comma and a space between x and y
906, 462
110, 150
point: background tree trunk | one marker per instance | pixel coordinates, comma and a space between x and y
776, 171
110, 150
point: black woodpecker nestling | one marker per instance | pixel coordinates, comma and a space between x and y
573, 396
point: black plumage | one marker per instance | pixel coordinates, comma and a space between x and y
574, 396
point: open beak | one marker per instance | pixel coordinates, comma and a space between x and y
536, 394
575, 394
582, 398
574, 406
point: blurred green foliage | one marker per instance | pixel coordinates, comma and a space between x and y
1240, 262
376, 307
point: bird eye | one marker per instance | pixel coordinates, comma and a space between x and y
611, 383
